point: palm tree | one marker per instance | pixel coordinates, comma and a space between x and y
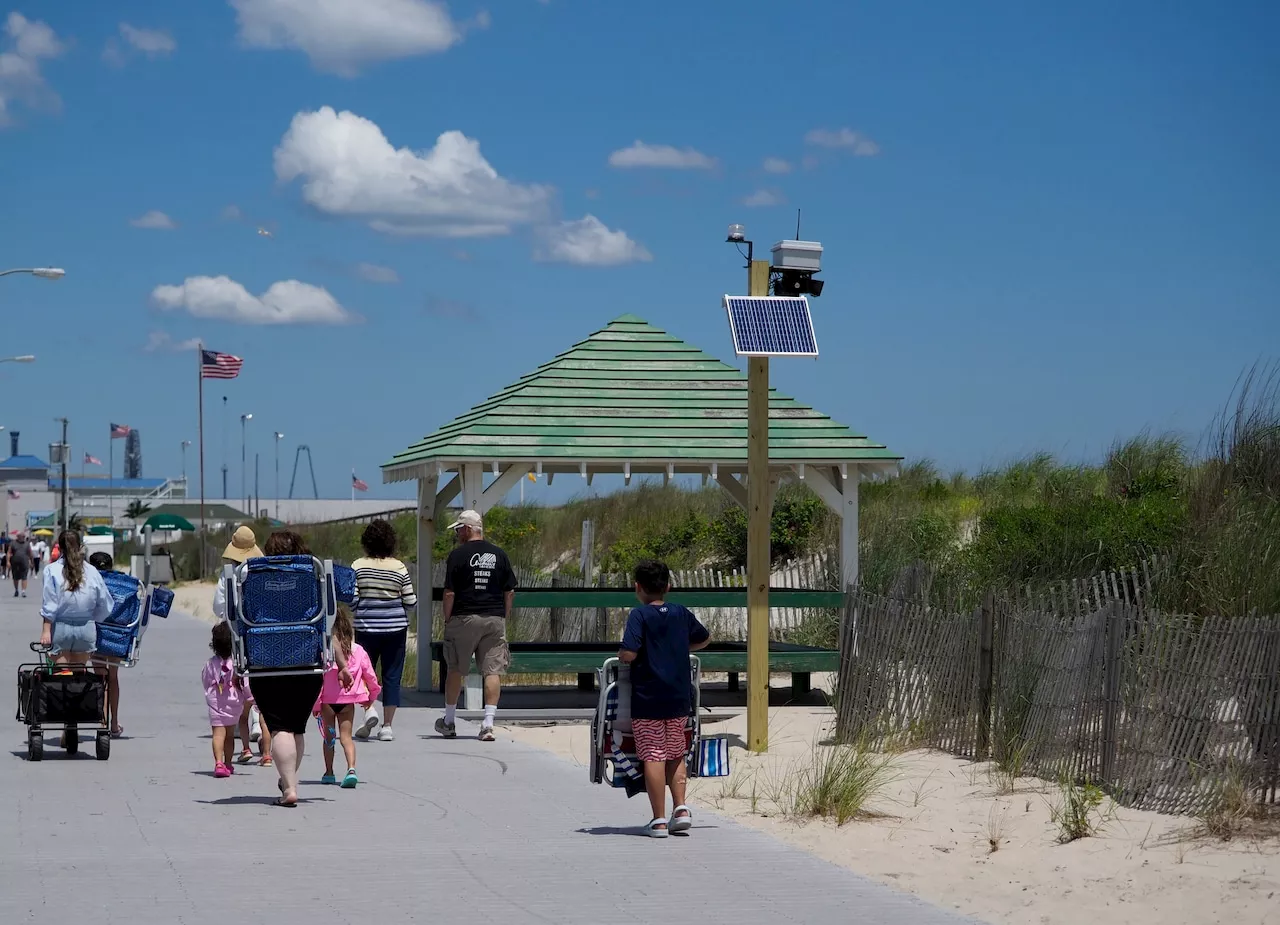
137, 510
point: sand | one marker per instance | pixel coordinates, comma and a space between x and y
940, 815
196, 598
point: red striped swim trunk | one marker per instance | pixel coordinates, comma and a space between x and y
659, 739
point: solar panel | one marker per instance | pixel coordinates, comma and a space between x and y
771, 326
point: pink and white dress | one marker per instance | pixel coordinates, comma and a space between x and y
224, 694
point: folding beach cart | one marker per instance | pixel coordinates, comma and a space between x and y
66, 698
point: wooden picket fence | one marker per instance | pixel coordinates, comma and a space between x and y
1083, 682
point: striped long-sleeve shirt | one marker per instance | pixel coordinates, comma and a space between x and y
383, 592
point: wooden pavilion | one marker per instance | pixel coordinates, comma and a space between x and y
631, 399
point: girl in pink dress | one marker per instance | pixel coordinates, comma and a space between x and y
224, 693
336, 706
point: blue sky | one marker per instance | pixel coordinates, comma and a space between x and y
1044, 228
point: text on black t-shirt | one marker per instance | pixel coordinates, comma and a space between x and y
479, 574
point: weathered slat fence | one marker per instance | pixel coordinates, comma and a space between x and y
1087, 682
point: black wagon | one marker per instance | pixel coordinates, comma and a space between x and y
66, 698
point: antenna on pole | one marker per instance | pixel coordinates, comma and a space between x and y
797, 224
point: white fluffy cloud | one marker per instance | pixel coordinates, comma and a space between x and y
588, 242
154, 43
161, 341
376, 274
643, 155
222, 298
154, 219
764, 197
845, 138
29, 43
340, 36
776, 165
349, 169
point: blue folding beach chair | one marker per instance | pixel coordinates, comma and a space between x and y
120, 636
613, 752
281, 609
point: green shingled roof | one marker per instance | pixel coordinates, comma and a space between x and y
633, 393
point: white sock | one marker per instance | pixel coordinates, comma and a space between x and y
490, 709
450, 710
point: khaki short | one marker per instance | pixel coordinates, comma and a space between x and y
483, 637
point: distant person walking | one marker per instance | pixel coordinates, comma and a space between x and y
20, 563
39, 550
479, 591
384, 596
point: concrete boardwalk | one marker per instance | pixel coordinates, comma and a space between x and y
438, 831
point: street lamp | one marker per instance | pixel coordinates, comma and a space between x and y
277, 435
42, 272
27, 358
244, 468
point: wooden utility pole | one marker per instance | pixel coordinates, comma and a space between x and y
759, 509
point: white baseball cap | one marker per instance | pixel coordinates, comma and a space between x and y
468, 519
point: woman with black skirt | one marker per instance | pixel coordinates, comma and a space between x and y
286, 701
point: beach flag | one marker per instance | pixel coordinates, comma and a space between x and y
358, 484
214, 365
119, 431
92, 460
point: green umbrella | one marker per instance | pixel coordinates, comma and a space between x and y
169, 522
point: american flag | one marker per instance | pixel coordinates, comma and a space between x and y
119, 432
14, 494
92, 460
358, 484
214, 365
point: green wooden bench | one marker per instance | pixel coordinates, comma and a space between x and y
583, 658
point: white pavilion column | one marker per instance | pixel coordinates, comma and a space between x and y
473, 487
849, 528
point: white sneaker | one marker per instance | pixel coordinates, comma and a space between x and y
371, 721
255, 725
386, 735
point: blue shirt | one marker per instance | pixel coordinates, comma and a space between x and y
89, 603
660, 635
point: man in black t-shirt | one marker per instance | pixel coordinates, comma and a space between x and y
479, 589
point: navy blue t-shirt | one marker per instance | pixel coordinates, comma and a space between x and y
660, 635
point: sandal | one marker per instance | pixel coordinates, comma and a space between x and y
117, 732
265, 761
681, 820
245, 757
280, 801
653, 831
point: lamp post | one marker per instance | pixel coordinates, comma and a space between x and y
277, 435
27, 358
58, 453
185, 444
244, 468
41, 272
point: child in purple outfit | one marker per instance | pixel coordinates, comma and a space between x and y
224, 694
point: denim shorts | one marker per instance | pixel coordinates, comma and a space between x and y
74, 637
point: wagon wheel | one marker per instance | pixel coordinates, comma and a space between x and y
35, 744
102, 746
73, 740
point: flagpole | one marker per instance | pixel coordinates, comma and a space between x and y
111, 480
200, 401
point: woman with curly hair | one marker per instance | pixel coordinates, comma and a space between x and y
384, 594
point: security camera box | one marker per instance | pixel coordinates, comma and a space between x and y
797, 255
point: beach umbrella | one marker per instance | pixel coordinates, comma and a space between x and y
159, 522
43, 531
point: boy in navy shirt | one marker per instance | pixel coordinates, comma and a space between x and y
656, 643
